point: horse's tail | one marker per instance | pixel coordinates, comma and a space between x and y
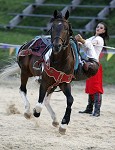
9, 70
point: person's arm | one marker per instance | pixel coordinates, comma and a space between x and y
98, 44
79, 38
89, 49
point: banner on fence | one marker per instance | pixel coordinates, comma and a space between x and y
12, 48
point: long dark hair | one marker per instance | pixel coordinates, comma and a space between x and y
105, 35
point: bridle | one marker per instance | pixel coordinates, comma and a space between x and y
64, 45
64, 41
60, 36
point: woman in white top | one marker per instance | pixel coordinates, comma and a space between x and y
94, 85
92, 48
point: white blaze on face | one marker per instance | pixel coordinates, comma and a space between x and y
59, 27
60, 23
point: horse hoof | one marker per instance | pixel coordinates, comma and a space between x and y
62, 130
55, 124
27, 115
35, 113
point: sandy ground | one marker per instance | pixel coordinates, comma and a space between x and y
83, 133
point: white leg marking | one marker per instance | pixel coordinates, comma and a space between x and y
49, 108
39, 107
63, 126
62, 129
36, 78
26, 102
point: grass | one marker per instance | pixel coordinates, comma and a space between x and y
20, 36
108, 70
4, 55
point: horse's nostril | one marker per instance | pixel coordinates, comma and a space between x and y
59, 45
56, 47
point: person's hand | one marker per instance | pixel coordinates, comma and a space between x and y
79, 38
80, 44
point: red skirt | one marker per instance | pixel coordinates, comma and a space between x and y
94, 84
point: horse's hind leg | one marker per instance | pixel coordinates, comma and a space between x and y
23, 93
66, 88
55, 123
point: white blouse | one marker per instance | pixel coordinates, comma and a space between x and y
93, 47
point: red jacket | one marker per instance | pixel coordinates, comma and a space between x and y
95, 83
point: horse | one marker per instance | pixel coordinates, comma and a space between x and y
58, 70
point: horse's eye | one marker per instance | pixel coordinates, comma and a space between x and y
52, 27
65, 28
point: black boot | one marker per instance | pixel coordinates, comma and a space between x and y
97, 104
89, 107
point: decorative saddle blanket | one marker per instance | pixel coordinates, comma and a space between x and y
39, 46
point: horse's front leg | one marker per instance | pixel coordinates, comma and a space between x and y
42, 94
55, 122
66, 88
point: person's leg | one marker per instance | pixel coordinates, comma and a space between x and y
97, 104
89, 107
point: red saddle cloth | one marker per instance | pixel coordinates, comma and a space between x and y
58, 76
38, 48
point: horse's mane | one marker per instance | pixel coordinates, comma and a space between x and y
70, 29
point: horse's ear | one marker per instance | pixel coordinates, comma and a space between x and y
55, 13
67, 15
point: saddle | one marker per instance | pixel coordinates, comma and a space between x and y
39, 47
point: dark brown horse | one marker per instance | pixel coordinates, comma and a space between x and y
59, 70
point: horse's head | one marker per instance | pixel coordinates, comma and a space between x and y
60, 31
